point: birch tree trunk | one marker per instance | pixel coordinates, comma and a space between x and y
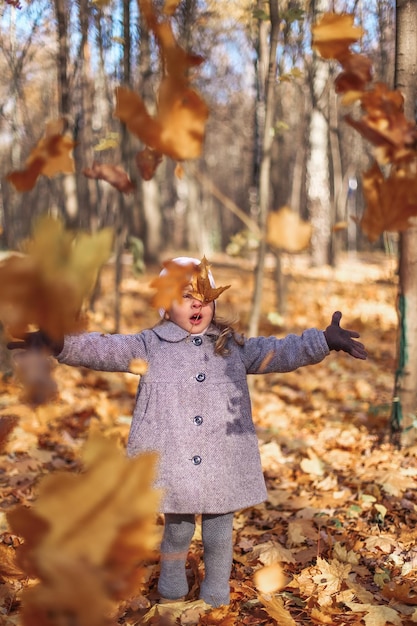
403, 418
318, 186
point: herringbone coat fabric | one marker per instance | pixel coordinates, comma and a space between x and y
193, 407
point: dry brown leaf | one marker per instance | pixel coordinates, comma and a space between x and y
51, 155
112, 174
376, 615
147, 161
357, 73
275, 608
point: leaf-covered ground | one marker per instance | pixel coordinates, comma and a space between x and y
341, 513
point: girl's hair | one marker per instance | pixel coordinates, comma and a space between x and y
227, 331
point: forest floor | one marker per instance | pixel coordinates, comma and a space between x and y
340, 519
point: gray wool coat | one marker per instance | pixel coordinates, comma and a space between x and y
193, 407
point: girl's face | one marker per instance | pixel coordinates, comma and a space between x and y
191, 314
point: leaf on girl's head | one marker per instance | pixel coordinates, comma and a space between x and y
87, 535
46, 287
333, 34
171, 283
177, 130
389, 202
147, 161
51, 155
201, 287
112, 174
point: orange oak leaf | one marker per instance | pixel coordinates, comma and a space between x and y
147, 161
51, 155
112, 174
390, 202
333, 34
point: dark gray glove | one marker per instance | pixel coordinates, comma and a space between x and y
340, 339
37, 340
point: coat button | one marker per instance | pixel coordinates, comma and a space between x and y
197, 341
196, 459
198, 420
200, 377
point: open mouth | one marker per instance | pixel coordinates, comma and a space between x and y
196, 317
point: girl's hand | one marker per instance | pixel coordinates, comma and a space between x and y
340, 339
37, 340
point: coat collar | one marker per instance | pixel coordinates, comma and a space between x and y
168, 331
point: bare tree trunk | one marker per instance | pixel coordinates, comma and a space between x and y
403, 418
318, 187
265, 164
64, 102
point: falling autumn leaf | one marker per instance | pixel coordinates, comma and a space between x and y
47, 286
357, 73
286, 231
112, 174
177, 130
171, 283
52, 155
333, 34
147, 161
85, 537
390, 202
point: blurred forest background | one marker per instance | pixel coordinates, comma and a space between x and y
66, 58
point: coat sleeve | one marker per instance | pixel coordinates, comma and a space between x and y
106, 353
263, 355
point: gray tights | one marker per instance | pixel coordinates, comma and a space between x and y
218, 557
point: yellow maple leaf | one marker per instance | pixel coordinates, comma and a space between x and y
333, 34
86, 536
287, 231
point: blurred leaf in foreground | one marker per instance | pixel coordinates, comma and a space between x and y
47, 285
87, 536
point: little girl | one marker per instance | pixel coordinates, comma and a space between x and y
193, 408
